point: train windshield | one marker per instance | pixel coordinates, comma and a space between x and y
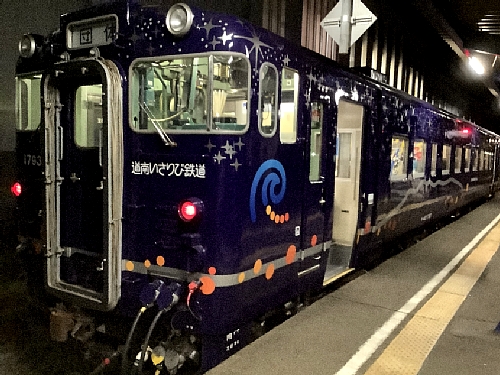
28, 107
190, 94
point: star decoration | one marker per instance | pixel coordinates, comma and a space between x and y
209, 26
214, 42
210, 146
236, 164
312, 78
219, 158
226, 38
257, 45
156, 32
286, 60
134, 38
240, 144
229, 150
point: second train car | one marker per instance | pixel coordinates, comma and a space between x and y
189, 163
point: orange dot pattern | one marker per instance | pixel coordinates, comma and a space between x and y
290, 254
241, 277
270, 271
257, 266
278, 219
314, 240
160, 261
207, 285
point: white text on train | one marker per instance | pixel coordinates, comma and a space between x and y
169, 169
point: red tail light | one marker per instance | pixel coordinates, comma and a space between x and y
16, 189
187, 211
190, 210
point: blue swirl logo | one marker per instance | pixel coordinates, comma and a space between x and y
273, 177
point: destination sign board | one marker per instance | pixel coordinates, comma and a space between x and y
99, 31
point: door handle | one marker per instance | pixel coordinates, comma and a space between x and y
100, 187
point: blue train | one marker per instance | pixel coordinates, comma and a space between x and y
196, 172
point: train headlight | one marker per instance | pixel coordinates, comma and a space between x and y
179, 19
27, 46
30, 44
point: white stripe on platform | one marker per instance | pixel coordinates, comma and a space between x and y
366, 350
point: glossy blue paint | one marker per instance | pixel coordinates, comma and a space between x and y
237, 176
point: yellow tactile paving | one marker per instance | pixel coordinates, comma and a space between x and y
409, 349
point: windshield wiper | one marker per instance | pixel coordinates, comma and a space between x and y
163, 134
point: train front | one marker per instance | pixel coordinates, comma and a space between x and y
132, 164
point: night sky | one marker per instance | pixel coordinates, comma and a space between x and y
18, 17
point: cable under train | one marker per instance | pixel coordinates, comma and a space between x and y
195, 172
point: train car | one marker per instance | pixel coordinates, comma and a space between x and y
196, 172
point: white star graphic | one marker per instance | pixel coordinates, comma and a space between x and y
214, 42
286, 60
209, 26
312, 77
226, 38
257, 44
240, 144
236, 164
210, 146
219, 158
229, 150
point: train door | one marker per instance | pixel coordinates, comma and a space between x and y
316, 209
347, 180
83, 153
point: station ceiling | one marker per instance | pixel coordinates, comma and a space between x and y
476, 22
472, 29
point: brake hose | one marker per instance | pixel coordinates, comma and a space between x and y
129, 339
146, 340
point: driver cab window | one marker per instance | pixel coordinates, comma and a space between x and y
192, 93
88, 116
28, 105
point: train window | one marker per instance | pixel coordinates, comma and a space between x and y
343, 162
475, 163
288, 107
434, 159
399, 158
446, 159
230, 92
419, 153
482, 160
28, 106
88, 116
458, 158
268, 93
467, 159
316, 141
190, 93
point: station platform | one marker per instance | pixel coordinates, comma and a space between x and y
431, 309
